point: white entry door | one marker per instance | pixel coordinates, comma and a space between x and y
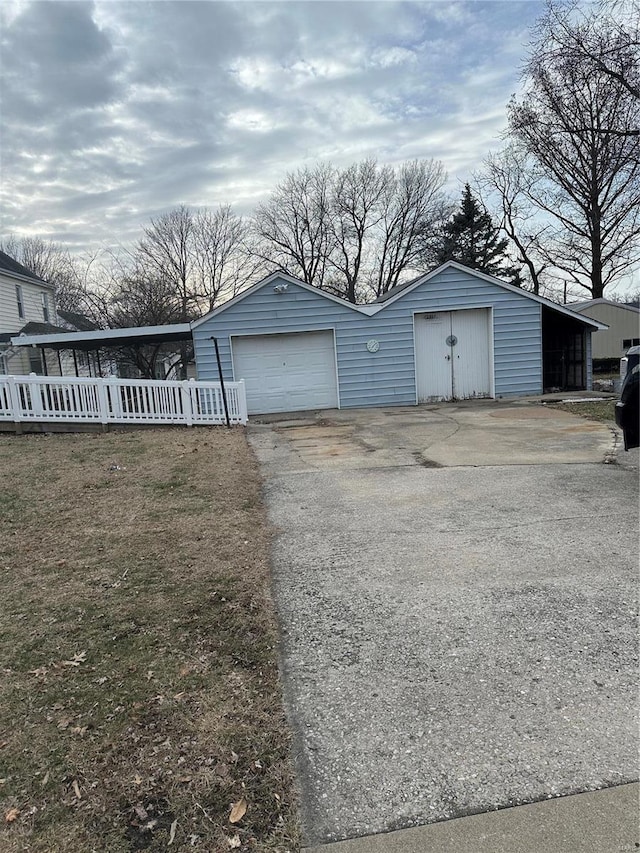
287, 373
453, 354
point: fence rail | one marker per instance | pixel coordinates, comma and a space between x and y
105, 401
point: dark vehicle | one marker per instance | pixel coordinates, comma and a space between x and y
627, 413
629, 360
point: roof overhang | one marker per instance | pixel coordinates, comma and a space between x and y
374, 308
100, 338
27, 279
562, 309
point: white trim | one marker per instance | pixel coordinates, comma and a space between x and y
100, 335
415, 355
335, 356
490, 331
27, 278
331, 329
492, 363
290, 280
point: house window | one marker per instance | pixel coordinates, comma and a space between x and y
45, 307
630, 342
35, 361
20, 301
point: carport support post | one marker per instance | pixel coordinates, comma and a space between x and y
224, 393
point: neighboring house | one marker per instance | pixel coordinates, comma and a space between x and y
80, 362
623, 322
451, 334
26, 301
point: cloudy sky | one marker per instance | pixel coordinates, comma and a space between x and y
114, 112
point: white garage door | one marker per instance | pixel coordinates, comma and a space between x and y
287, 373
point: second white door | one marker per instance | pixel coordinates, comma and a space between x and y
453, 354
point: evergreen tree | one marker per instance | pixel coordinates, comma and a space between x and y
471, 238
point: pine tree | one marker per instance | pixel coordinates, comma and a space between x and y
471, 238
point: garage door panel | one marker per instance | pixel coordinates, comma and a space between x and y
286, 373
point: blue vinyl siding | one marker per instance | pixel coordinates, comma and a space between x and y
386, 377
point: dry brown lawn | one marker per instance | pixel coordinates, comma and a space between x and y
139, 701
596, 410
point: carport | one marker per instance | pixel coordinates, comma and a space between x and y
111, 341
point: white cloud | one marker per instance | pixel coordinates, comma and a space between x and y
127, 109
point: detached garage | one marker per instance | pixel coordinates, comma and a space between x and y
452, 334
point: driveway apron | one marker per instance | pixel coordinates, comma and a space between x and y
458, 630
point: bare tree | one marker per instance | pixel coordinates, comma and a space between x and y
355, 232
507, 179
414, 208
603, 39
358, 200
572, 124
222, 262
292, 227
165, 252
124, 294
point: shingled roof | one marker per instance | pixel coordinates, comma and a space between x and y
10, 265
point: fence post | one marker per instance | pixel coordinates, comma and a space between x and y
103, 400
242, 402
35, 395
14, 398
115, 399
187, 407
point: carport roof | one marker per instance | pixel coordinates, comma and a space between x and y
98, 338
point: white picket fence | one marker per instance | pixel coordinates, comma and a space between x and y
105, 401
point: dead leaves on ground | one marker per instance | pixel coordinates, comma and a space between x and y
76, 660
238, 811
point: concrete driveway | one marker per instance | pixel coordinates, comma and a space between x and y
456, 587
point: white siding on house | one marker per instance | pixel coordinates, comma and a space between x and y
10, 320
13, 360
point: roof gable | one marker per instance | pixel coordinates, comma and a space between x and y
408, 287
286, 280
10, 266
401, 291
591, 303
